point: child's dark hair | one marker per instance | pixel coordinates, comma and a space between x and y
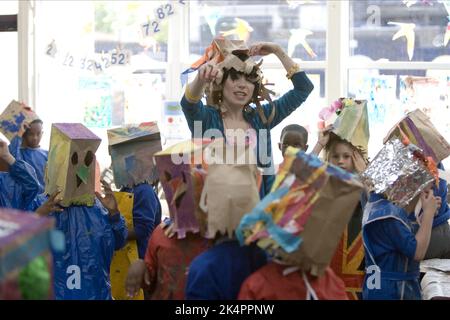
295, 128
39, 121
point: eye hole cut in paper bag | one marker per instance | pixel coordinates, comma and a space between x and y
123, 258
13, 116
422, 133
181, 170
231, 186
302, 220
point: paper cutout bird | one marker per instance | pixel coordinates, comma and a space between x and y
242, 30
407, 31
446, 4
447, 35
298, 36
293, 4
409, 3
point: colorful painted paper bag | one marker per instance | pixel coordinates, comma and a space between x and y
301, 221
421, 132
13, 116
176, 168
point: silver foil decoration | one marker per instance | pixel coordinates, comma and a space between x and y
396, 173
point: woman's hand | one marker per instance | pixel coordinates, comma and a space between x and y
209, 72
264, 48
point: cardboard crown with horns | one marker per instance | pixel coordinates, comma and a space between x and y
227, 54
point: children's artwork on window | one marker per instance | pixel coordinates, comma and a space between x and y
379, 91
96, 98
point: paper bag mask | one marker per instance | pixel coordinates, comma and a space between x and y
398, 172
13, 116
302, 220
421, 132
132, 149
181, 172
231, 186
71, 163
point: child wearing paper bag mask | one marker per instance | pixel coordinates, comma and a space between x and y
93, 227
397, 177
231, 190
178, 240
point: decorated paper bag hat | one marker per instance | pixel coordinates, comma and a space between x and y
417, 127
233, 54
231, 186
400, 171
13, 116
301, 221
181, 172
132, 148
71, 163
352, 122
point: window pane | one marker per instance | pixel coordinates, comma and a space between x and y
9, 7
418, 27
9, 55
96, 67
298, 26
392, 93
9, 66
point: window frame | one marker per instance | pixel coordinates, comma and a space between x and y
336, 66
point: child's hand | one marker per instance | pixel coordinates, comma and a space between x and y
23, 127
51, 205
108, 200
430, 203
137, 275
5, 154
324, 135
